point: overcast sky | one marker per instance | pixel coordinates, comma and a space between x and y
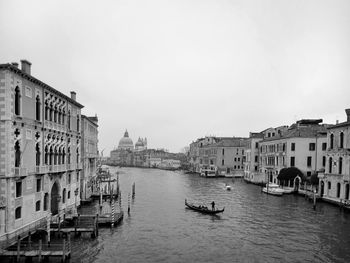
173, 71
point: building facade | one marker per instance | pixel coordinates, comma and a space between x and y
40, 138
302, 145
334, 182
89, 150
251, 164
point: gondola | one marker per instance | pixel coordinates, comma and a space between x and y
203, 210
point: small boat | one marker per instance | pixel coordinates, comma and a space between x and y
273, 189
228, 187
203, 209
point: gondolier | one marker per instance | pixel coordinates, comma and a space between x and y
203, 209
213, 205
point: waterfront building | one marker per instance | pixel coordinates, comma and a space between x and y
251, 164
141, 144
334, 181
40, 155
302, 145
194, 160
126, 143
89, 151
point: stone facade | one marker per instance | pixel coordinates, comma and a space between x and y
89, 150
40, 151
251, 164
334, 182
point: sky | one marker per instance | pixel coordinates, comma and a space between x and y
175, 71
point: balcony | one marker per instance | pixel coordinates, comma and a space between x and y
20, 171
57, 168
70, 166
41, 169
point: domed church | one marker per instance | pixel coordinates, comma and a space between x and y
126, 143
141, 144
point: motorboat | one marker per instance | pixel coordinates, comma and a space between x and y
273, 189
228, 187
208, 173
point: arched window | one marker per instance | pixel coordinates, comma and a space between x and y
59, 116
17, 101
63, 156
68, 195
78, 123
64, 195
331, 141
47, 110
63, 114
51, 156
46, 156
17, 154
329, 185
55, 156
68, 156
347, 191
18, 212
68, 120
51, 112
37, 154
340, 166
341, 140
37, 205
338, 190
59, 156
78, 155
46, 201
37, 108
330, 164
55, 114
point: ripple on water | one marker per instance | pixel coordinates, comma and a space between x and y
254, 227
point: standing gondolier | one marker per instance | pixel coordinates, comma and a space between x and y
213, 205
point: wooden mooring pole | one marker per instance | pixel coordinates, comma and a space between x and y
18, 248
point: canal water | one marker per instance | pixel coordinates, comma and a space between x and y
254, 227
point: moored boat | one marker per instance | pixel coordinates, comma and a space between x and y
203, 209
228, 187
273, 189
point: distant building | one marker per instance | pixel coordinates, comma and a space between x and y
126, 143
251, 164
334, 181
89, 149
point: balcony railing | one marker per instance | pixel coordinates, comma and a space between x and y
79, 166
20, 171
41, 169
346, 178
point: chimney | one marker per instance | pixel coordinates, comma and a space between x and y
26, 66
73, 95
348, 114
15, 64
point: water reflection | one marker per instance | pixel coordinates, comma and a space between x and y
253, 228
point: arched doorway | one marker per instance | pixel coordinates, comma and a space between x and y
322, 188
296, 183
54, 199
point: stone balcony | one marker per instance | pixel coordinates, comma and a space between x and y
20, 171
56, 168
41, 169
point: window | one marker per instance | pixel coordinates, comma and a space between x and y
68, 196
255, 168
46, 201
37, 206
324, 146
222, 162
256, 145
64, 195
330, 165
284, 147
312, 146
70, 177
324, 161
292, 161
340, 166
256, 158
234, 167
38, 184
37, 108
308, 174
341, 140
309, 161
77, 176
18, 212
238, 159
329, 186
292, 148
19, 189
17, 154
235, 159
338, 190
331, 140
223, 151
17, 101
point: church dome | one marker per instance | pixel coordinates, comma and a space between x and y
139, 143
126, 142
